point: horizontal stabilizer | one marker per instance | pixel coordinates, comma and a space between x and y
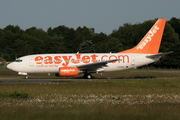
159, 54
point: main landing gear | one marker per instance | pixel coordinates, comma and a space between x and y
87, 76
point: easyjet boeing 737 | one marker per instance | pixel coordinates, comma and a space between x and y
145, 52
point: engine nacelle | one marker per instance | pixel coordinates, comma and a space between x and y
67, 71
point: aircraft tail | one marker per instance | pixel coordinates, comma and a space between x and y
151, 42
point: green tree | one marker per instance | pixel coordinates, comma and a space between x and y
87, 47
12, 28
55, 45
113, 45
169, 40
100, 41
172, 60
127, 35
37, 33
36, 45
22, 48
175, 23
81, 34
70, 42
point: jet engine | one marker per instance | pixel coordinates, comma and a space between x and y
67, 71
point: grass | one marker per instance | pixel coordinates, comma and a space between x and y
14, 95
103, 99
127, 98
135, 112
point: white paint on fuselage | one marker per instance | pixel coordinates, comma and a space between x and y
29, 65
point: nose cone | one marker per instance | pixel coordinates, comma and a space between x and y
10, 66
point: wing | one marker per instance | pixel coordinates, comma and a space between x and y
95, 66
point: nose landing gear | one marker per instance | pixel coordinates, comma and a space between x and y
27, 77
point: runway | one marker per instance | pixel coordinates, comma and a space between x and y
60, 81
40, 81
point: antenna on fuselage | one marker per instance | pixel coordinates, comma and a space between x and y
78, 52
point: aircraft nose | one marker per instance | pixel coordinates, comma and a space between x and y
10, 66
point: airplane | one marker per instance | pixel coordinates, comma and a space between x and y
144, 53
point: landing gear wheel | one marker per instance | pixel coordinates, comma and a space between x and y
26, 77
87, 76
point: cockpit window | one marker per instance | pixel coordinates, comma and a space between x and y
18, 60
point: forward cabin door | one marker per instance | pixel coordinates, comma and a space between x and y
31, 61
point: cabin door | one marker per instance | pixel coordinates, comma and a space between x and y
31, 61
133, 60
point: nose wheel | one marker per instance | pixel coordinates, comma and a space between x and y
27, 77
87, 76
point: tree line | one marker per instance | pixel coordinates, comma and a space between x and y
15, 42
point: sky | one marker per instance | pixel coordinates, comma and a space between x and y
102, 15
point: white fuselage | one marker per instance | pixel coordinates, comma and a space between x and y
50, 63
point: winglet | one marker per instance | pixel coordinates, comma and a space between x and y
151, 42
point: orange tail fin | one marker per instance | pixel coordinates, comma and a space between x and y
151, 42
